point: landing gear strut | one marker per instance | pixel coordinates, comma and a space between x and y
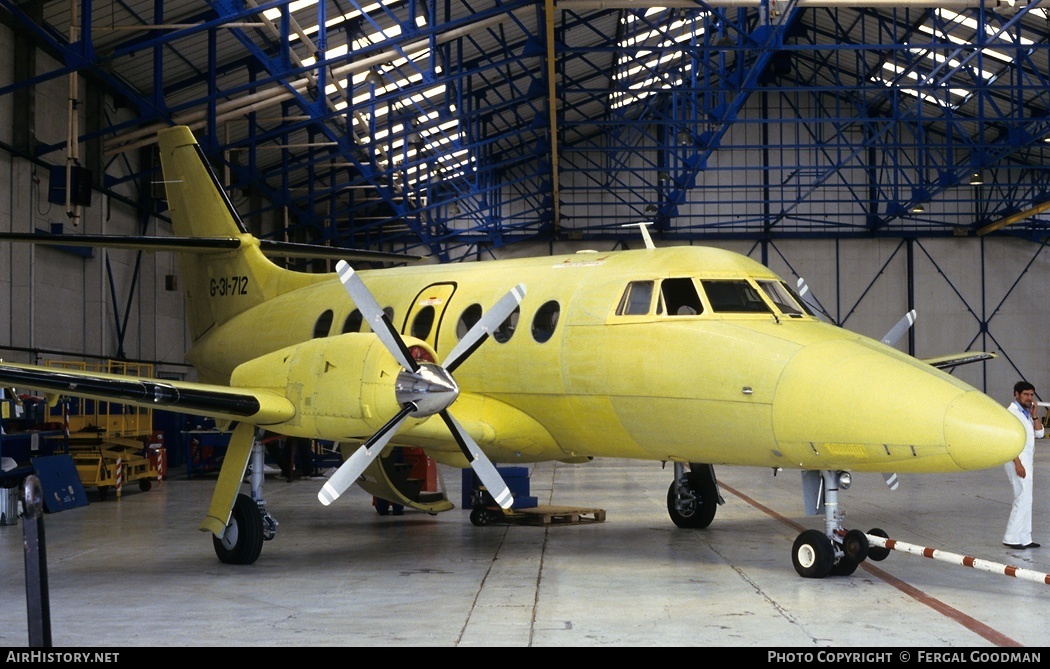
693, 496
834, 551
250, 524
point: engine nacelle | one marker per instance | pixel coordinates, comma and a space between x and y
343, 387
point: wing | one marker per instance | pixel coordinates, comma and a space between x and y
255, 405
956, 359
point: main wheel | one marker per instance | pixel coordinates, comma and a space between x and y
878, 553
812, 554
697, 510
242, 541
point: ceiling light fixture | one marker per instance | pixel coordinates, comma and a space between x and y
976, 179
918, 209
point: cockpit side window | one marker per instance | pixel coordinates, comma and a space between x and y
637, 299
780, 296
679, 297
734, 296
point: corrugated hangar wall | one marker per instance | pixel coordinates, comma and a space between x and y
984, 293
60, 301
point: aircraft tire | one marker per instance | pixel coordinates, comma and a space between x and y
878, 553
844, 567
699, 514
243, 539
812, 554
855, 546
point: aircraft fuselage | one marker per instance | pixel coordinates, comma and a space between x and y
591, 375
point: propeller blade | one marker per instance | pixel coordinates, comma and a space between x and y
375, 316
898, 330
357, 463
481, 465
891, 480
807, 297
485, 326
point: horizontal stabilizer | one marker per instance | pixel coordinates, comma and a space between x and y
271, 248
956, 359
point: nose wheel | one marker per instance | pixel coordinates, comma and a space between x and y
835, 551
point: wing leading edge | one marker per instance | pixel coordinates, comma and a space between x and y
255, 405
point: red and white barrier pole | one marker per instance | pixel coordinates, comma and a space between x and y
963, 560
120, 477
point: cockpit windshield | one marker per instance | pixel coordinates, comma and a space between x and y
734, 295
779, 295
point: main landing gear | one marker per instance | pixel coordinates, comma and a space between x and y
835, 551
250, 524
693, 496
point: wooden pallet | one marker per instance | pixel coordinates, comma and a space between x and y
554, 515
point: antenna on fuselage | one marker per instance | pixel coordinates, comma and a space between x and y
644, 227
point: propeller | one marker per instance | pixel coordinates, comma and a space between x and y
811, 302
422, 389
898, 330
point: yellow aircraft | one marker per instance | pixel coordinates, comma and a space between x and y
689, 355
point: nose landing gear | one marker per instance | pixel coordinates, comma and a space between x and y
835, 551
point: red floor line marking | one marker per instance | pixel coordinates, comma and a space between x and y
975, 626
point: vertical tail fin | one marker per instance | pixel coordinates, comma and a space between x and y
218, 284
198, 204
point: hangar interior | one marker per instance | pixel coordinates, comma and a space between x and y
892, 153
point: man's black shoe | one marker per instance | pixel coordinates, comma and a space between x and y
1032, 545
1018, 546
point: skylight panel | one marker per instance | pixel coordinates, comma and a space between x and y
275, 14
646, 62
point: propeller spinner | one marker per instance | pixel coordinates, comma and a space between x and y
422, 389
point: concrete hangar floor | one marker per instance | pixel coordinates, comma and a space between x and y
135, 571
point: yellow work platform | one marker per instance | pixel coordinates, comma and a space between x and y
97, 464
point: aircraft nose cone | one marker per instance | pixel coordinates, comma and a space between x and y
859, 405
980, 433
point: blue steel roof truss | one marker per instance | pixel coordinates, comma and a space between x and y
425, 125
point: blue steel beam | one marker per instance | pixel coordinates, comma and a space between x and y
649, 152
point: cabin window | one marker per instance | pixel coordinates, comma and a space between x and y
423, 322
353, 322
506, 329
637, 299
780, 296
545, 321
324, 324
468, 319
734, 296
678, 297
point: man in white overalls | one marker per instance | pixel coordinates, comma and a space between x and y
1019, 470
